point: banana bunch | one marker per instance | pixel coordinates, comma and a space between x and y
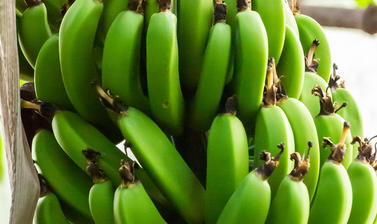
229, 108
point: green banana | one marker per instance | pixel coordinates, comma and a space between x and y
194, 23
251, 50
101, 194
69, 183
272, 14
251, 200
329, 124
213, 74
290, 18
48, 81
351, 113
159, 158
364, 184
292, 203
49, 211
55, 12
333, 200
304, 130
132, 204
310, 30
151, 7
272, 128
33, 30
76, 39
20, 6
227, 161
164, 90
121, 57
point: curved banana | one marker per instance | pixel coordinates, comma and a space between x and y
251, 50
132, 205
55, 12
273, 128
227, 161
333, 200
33, 30
292, 203
76, 39
213, 74
290, 18
364, 184
251, 200
48, 81
49, 211
121, 57
291, 68
310, 30
312, 102
101, 194
304, 130
69, 183
330, 125
272, 14
194, 23
164, 89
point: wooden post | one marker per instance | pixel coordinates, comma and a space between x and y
23, 178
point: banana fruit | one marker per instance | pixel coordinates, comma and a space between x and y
227, 161
250, 202
290, 18
121, 57
164, 89
49, 211
334, 191
213, 74
55, 12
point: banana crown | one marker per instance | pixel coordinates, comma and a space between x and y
365, 150
126, 172
325, 101
338, 151
301, 165
311, 64
270, 164
335, 81
92, 167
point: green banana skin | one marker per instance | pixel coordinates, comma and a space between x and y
194, 23
49, 211
69, 183
54, 12
101, 200
76, 39
212, 78
227, 163
121, 59
291, 67
33, 31
251, 50
304, 130
310, 30
312, 102
132, 205
151, 7
20, 6
164, 90
290, 18
272, 14
48, 81
364, 187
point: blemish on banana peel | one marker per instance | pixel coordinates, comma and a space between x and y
301, 165
338, 151
270, 164
165, 104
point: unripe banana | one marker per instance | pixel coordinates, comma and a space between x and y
251, 200
273, 128
194, 23
364, 184
69, 183
227, 161
26, 71
132, 204
55, 12
310, 30
330, 125
164, 90
333, 200
76, 39
151, 7
121, 57
291, 204
33, 30
214, 71
159, 158
48, 81
251, 50
304, 130
272, 14
49, 211
20, 6
290, 18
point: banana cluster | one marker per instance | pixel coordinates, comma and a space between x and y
231, 109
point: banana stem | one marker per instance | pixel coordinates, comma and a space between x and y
29, 105
270, 164
346, 128
301, 166
92, 167
231, 105
295, 8
310, 65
